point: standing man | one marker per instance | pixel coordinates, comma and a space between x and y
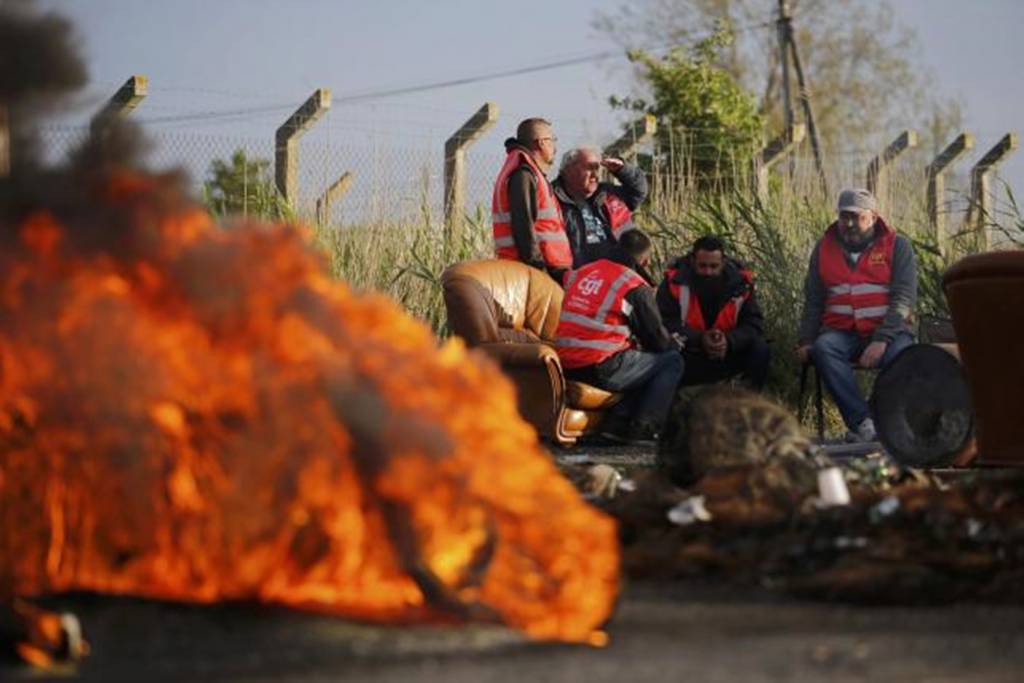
527, 220
596, 214
859, 297
708, 298
610, 335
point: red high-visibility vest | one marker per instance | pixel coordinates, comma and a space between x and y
856, 297
620, 218
593, 325
548, 228
689, 304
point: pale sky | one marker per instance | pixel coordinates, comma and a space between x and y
261, 58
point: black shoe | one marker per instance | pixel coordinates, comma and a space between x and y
644, 434
615, 436
639, 434
615, 429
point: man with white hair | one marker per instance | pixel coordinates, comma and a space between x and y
596, 214
859, 297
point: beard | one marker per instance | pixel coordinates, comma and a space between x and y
854, 240
709, 285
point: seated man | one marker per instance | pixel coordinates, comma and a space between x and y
596, 214
610, 335
859, 294
708, 299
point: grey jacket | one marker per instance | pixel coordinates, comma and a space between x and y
902, 294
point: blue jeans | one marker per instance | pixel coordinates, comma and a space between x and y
648, 379
832, 353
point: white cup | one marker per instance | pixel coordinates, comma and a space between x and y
832, 487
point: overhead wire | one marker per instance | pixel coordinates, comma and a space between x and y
359, 97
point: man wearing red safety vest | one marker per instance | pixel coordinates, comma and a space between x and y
708, 298
525, 215
596, 213
610, 335
859, 298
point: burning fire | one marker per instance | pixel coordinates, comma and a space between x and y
200, 414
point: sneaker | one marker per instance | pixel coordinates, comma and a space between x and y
864, 433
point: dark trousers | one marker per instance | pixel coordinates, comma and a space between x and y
751, 364
649, 381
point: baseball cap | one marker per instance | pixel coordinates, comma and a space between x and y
857, 200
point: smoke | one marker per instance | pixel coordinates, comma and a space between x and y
40, 68
37, 53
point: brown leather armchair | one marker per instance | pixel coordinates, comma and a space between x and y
510, 311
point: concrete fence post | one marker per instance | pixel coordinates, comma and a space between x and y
286, 143
980, 190
455, 162
878, 169
333, 193
638, 133
121, 103
937, 183
772, 153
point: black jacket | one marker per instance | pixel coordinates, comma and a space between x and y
632, 192
749, 325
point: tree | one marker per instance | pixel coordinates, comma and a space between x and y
243, 186
709, 125
857, 60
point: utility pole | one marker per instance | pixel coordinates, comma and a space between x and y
788, 49
783, 31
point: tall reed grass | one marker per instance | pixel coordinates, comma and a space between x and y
773, 235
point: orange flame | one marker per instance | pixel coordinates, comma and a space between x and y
202, 414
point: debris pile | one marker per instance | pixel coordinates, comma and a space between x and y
905, 537
741, 495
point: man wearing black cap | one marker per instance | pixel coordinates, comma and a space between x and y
859, 297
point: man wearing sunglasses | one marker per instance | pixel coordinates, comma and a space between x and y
596, 213
525, 215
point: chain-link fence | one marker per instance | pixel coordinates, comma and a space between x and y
393, 179
397, 175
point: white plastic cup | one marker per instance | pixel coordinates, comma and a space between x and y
832, 487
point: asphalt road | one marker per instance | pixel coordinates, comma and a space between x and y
689, 630
659, 632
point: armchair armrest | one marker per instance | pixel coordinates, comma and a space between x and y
535, 370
